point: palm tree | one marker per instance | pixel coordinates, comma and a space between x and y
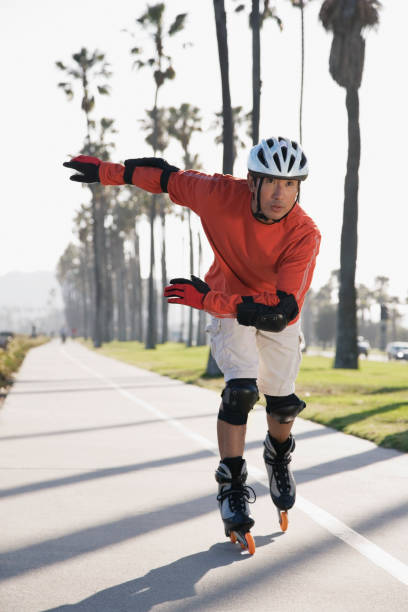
382, 296
228, 129
182, 124
152, 21
138, 203
240, 119
69, 277
83, 229
157, 136
92, 71
364, 301
301, 5
200, 340
256, 21
347, 19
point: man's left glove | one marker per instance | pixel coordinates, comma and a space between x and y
188, 292
87, 165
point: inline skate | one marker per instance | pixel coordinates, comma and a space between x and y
282, 484
234, 497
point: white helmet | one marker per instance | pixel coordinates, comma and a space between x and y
278, 157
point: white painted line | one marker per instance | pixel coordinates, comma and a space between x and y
340, 530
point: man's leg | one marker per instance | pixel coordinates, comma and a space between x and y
231, 439
234, 348
279, 431
279, 365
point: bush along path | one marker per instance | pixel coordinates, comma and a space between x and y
12, 358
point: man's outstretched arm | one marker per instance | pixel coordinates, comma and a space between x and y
199, 191
154, 178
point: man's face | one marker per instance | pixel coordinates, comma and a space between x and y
277, 196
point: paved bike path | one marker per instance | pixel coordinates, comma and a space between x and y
108, 502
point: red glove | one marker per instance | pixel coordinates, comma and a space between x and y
87, 165
188, 292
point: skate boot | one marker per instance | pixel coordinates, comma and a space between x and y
234, 498
282, 485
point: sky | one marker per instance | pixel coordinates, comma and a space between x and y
40, 129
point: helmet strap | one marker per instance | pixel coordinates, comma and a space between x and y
258, 214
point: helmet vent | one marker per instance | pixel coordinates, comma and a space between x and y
303, 161
291, 162
261, 158
294, 145
269, 142
277, 161
284, 153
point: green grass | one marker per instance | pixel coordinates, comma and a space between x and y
371, 402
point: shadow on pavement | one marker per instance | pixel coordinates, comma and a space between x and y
303, 476
90, 539
344, 464
103, 473
176, 581
314, 433
173, 582
91, 389
65, 432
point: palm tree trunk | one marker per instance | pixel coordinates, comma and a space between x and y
132, 298
107, 284
136, 292
201, 313
139, 289
151, 334
222, 40
84, 295
91, 289
98, 263
121, 291
346, 344
256, 69
165, 306
302, 72
190, 317
228, 127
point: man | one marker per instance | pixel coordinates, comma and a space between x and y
265, 249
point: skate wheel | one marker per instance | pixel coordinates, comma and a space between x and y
283, 520
233, 537
250, 543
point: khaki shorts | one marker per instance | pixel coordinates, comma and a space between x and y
245, 352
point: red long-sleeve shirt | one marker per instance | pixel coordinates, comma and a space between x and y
250, 258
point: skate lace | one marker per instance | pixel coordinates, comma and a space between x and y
237, 497
281, 473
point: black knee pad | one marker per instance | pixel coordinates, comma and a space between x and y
238, 398
284, 408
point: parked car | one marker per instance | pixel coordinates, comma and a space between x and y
5, 337
397, 350
363, 346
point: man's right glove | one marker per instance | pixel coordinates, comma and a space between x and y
187, 292
87, 165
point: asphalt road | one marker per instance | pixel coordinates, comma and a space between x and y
108, 502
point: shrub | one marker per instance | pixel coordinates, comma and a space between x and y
12, 357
